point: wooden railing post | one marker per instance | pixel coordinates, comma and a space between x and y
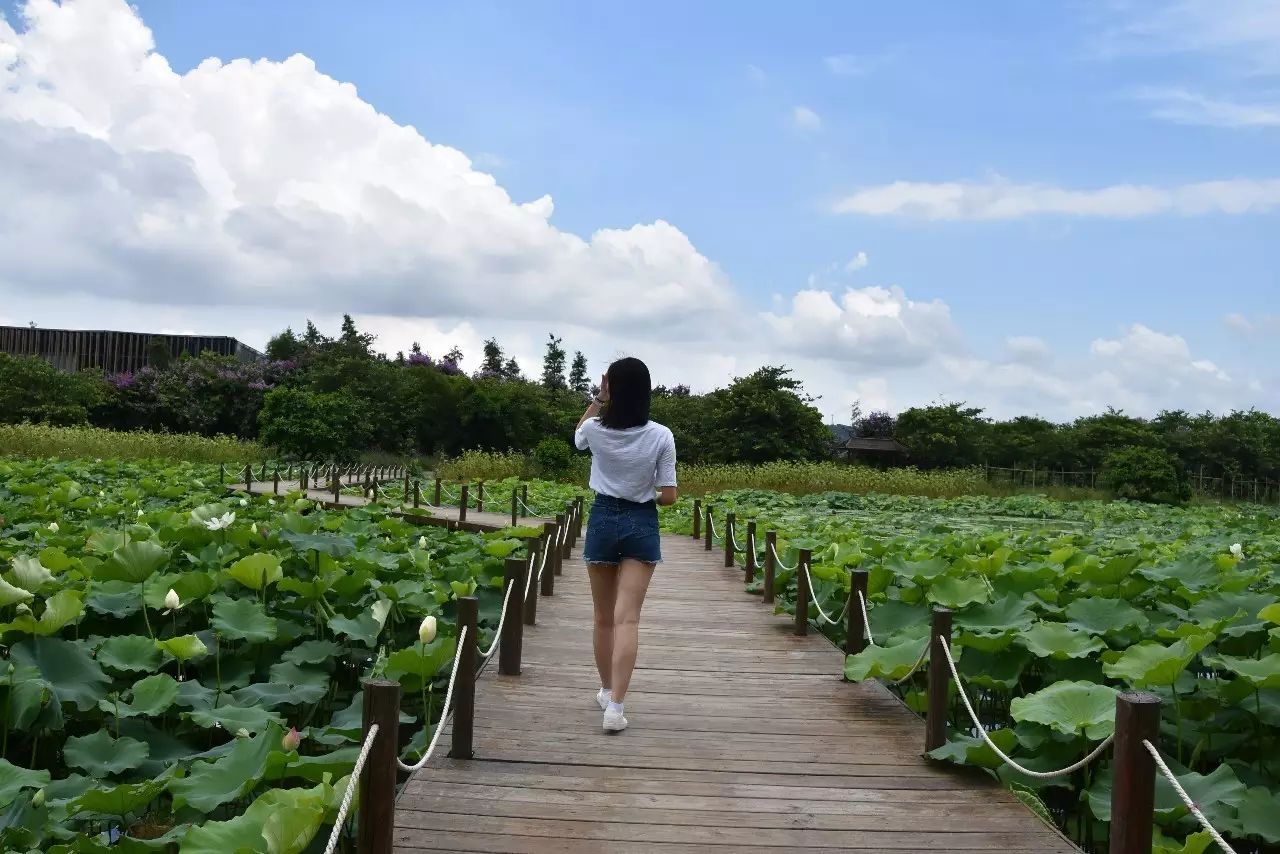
697, 518
803, 593
531, 601
222, 473
275, 483
730, 520
562, 530
464, 690
480, 497
417, 492
406, 486
373, 492
248, 478
509, 648
707, 532
855, 637
376, 816
463, 499
437, 503
770, 566
751, 552
303, 481
549, 533
935, 725
1133, 791
515, 507
337, 489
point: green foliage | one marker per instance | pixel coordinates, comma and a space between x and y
1145, 474
314, 425
553, 457
31, 389
553, 365
942, 435
762, 417
43, 440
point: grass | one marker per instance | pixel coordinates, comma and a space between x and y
42, 440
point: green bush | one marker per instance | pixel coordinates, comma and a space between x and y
1145, 474
553, 456
31, 389
45, 440
314, 425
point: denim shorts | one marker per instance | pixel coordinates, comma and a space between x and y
618, 529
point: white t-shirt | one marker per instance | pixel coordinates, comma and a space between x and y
630, 463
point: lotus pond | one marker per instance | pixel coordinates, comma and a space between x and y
181, 668
1057, 607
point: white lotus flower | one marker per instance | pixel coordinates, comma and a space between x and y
53, 526
139, 512
243, 733
244, 502
218, 523
171, 600
427, 631
101, 494
37, 800
271, 501
422, 542
23, 608
1237, 550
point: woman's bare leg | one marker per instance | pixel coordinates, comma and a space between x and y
604, 595
632, 584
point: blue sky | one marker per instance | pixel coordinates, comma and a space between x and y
748, 126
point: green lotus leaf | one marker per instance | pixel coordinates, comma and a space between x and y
28, 574
1235, 611
1148, 664
248, 832
183, 647
1271, 613
15, 778
1258, 672
993, 670
329, 544
1256, 815
234, 718
27, 696
891, 663
149, 697
60, 610
100, 755
115, 598
1059, 640
334, 764
10, 595
1003, 615
289, 830
133, 562
423, 662
129, 653
273, 695
1196, 843
1112, 572
1216, 794
104, 542
257, 570
66, 667
193, 695
209, 785
1188, 573
56, 560
952, 592
1071, 708
364, 628
918, 571
965, 750
313, 652
243, 619
1105, 616
121, 799
190, 586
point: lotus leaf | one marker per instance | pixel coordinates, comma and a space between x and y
28, 574
1259, 673
1105, 616
1059, 640
66, 668
150, 696
129, 653
1257, 815
257, 570
10, 595
233, 718
209, 785
60, 610
14, 778
1071, 708
121, 799
101, 755
183, 647
893, 662
1149, 664
243, 619
952, 592
133, 562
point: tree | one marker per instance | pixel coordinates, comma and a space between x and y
492, 365
1145, 474
353, 341
942, 435
766, 416
511, 370
579, 382
314, 425
553, 365
672, 391
285, 347
158, 353
31, 389
312, 337
874, 425
455, 356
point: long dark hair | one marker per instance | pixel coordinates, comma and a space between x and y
630, 391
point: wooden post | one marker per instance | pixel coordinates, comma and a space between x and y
337, 489
770, 565
509, 648
406, 487
275, 483
222, 473
855, 637
707, 532
697, 518
480, 497
464, 690
376, 821
549, 534
751, 551
1133, 792
562, 525
417, 493
531, 601
462, 502
437, 501
803, 593
248, 478
374, 491
303, 481
515, 507
730, 519
935, 732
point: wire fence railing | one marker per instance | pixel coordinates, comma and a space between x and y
1130, 747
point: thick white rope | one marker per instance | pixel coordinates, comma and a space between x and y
924, 653
977, 725
711, 527
502, 619
1186, 799
352, 782
444, 711
866, 622
529, 509
813, 597
778, 561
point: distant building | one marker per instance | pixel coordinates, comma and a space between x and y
114, 352
870, 449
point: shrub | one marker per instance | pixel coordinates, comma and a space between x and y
31, 389
483, 465
553, 456
314, 425
1145, 474
44, 440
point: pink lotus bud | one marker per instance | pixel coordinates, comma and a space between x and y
291, 739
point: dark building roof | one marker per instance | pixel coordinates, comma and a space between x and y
74, 349
874, 444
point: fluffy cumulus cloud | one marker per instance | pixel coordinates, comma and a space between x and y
806, 119
270, 183
1002, 200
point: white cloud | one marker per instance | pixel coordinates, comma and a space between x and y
1186, 107
1259, 324
1027, 349
1000, 200
847, 64
1243, 32
806, 119
857, 262
871, 325
269, 183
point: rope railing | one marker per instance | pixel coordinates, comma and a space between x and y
774, 551
529, 509
502, 620
823, 615
444, 713
866, 620
924, 654
352, 783
982, 731
1186, 798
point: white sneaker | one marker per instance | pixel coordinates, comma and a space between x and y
614, 721
602, 697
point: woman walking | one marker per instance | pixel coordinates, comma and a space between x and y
633, 469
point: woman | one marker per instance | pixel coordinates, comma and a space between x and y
633, 468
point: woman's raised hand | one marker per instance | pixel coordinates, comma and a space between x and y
604, 387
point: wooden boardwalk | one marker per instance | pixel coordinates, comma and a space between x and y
743, 737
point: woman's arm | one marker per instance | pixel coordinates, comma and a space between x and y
597, 403
666, 496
